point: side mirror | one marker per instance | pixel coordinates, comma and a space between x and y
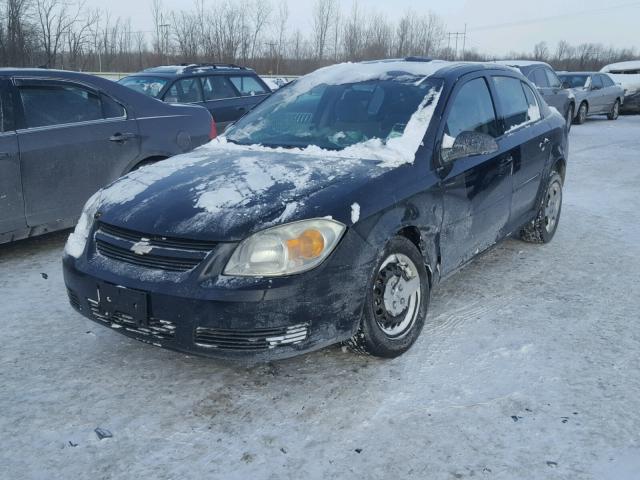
566, 85
595, 87
468, 144
169, 99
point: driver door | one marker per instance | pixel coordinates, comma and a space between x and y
476, 189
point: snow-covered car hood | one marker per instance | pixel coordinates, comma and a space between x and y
225, 195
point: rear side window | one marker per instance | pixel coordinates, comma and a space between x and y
217, 87
596, 82
184, 90
606, 81
247, 86
47, 104
552, 78
472, 111
538, 78
111, 108
6, 111
519, 104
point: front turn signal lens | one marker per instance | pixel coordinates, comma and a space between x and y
309, 245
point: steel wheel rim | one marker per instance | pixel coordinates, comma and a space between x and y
552, 206
397, 280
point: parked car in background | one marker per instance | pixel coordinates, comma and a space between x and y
326, 214
627, 74
64, 135
226, 90
548, 84
596, 94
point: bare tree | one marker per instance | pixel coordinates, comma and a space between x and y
322, 14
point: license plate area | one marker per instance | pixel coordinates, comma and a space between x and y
122, 304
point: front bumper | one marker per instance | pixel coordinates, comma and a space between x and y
631, 103
252, 319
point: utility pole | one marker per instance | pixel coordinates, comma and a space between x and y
457, 35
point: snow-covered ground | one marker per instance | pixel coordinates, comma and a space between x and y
528, 369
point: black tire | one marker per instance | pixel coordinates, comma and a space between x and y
615, 111
371, 337
569, 117
583, 111
543, 228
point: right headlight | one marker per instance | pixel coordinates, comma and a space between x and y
78, 239
286, 249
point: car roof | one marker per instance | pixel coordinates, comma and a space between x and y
577, 73
193, 69
629, 65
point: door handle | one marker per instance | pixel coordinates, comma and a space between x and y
122, 137
241, 109
3, 154
544, 143
505, 164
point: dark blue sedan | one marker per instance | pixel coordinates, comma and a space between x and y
327, 214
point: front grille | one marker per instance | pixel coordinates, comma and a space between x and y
164, 253
256, 339
155, 329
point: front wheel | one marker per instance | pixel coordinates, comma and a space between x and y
582, 113
544, 226
396, 302
615, 111
569, 117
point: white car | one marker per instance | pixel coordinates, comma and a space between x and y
628, 75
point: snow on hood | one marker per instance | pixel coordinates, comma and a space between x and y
222, 181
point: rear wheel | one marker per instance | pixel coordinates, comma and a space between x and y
582, 113
615, 111
396, 302
544, 226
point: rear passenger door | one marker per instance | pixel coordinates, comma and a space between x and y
251, 90
476, 189
525, 141
596, 99
11, 204
610, 93
222, 100
73, 141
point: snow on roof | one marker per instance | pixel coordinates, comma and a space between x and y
520, 63
630, 65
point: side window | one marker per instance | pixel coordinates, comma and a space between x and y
247, 86
606, 81
217, 87
538, 78
554, 81
52, 103
471, 111
184, 90
111, 108
512, 100
596, 82
533, 111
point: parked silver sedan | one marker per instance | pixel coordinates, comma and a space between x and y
596, 94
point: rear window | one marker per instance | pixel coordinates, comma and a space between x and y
247, 86
150, 86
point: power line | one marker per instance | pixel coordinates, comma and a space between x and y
555, 17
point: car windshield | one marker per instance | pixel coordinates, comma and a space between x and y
576, 81
151, 86
333, 116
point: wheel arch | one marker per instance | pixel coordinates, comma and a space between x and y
145, 161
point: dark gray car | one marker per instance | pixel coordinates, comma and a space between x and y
64, 135
228, 91
596, 94
548, 84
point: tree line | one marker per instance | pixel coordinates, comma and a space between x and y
69, 34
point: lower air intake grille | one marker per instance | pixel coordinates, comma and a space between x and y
73, 299
156, 329
249, 340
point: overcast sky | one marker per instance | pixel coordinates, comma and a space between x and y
611, 22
